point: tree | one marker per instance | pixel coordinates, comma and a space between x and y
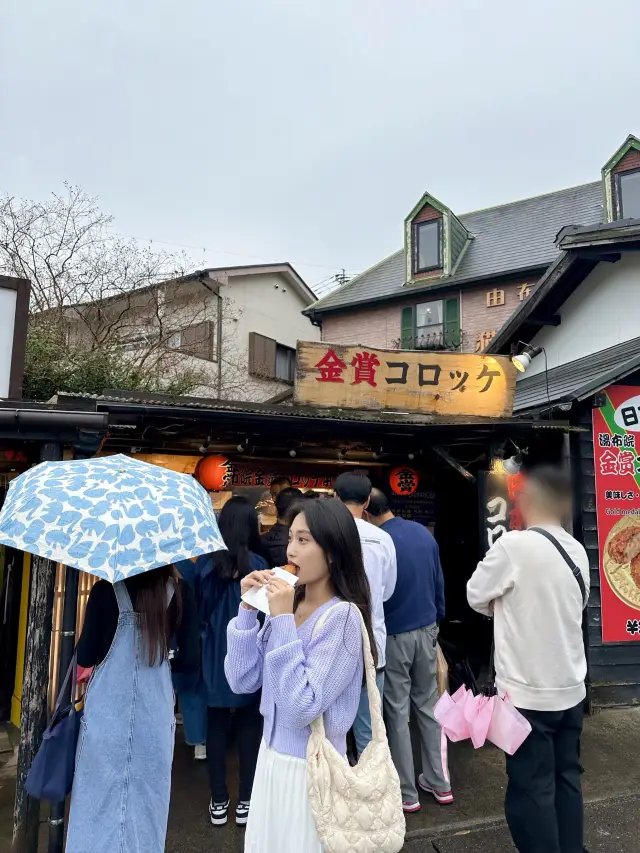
104, 311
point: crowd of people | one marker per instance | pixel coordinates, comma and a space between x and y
272, 677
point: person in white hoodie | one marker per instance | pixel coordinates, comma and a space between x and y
380, 565
535, 584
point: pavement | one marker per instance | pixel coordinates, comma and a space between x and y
612, 826
474, 823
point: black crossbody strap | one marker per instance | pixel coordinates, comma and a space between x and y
575, 570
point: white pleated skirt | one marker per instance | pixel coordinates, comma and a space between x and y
280, 818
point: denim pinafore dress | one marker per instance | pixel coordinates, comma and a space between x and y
122, 783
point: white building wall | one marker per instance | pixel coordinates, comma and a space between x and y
271, 307
268, 305
602, 312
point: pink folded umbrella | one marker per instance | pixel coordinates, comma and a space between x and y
450, 713
508, 729
478, 712
482, 718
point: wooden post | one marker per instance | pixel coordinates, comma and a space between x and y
33, 718
67, 647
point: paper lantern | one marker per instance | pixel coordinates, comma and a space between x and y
214, 473
403, 481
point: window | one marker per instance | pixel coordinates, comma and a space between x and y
429, 325
629, 195
174, 341
427, 255
197, 341
285, 363
271, 360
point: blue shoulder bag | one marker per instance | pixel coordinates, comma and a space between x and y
51, 774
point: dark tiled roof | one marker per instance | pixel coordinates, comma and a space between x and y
106, 402
508, 238
577, 379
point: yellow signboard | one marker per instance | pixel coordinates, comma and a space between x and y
434, 382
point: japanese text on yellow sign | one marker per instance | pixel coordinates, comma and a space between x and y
443, 383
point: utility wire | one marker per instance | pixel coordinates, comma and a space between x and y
206, 250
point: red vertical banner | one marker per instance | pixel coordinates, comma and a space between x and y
616, 445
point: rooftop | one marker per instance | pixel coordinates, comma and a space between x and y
577, 379
518, 237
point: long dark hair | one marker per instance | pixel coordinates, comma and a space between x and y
333, 528
150, 592
240, 530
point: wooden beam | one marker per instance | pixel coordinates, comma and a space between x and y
33, 718
553, 320
453, 462
596, 254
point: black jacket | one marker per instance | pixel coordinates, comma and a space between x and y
274, 545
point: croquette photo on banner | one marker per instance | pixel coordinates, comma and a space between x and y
616, 445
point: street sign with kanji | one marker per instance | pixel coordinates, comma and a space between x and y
440, 383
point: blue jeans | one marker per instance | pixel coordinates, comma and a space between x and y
193, 704
362, 722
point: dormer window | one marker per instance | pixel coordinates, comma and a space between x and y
434, 242
428, 242
621, 182
628, 191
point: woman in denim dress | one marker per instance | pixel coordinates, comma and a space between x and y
122, 784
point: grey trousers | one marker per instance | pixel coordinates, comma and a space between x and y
411, 683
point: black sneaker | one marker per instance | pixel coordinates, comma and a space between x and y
242, 813
219, 813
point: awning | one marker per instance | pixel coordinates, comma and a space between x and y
577, 379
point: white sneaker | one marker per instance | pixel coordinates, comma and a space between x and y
200, 752
218, 813
242, 813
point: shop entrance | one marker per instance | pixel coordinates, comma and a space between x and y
255, 446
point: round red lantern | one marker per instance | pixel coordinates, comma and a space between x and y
403, 480
213, 472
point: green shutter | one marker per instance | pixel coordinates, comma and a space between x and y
407, 328
452, 323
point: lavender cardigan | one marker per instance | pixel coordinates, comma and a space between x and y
301, 676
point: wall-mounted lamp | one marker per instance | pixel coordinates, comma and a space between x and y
522, 361
509, 465
512, 465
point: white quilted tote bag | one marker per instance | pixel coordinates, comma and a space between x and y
356, 809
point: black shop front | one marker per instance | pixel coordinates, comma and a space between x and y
446, 472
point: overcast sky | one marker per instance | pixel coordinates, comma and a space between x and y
266, 130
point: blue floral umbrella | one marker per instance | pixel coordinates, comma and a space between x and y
113, 517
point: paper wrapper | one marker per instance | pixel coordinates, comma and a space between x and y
258, 597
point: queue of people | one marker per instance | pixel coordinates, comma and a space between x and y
275, 676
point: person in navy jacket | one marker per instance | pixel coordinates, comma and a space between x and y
412, 615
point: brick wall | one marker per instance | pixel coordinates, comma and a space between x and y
427, 214
372, 327
631, 160
485, 309
380, 326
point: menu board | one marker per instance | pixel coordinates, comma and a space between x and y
419, 506
616, 440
